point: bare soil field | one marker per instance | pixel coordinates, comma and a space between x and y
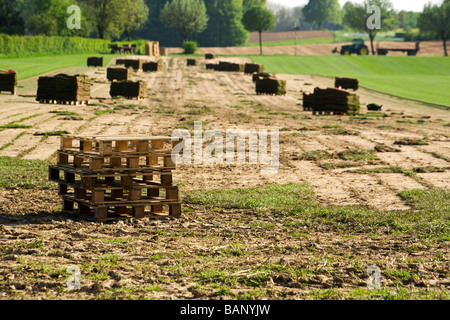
427, 48
227, 253
288, 35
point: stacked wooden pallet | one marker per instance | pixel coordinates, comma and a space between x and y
152, 48
230, 66
192, 62
251, 68
64, 89
346, 83
263, 75
129, 89
136, 64
164, 52
121, 61
331, 100
8, 81
119, 73
270, 86
104, 178
308, 101
211, 66
153, 66
95, 62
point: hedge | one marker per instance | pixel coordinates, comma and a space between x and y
19, 46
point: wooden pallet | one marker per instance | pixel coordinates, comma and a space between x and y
112, 145
88, 180
328, 112
113, 196
102, 213
270, 93
14, 92
130, 97
69, 102
104, 176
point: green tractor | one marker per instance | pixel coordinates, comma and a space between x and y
357, 47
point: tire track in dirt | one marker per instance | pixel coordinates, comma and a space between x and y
372, 192
328, 188
375, 183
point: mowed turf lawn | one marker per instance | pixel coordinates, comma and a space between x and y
33, 66
424, 79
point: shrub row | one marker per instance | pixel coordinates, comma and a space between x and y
14, 45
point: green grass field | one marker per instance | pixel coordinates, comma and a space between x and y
32, 66
424, 79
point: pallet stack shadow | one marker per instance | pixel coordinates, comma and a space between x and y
95, 62
331, 101
8, 81
64, 89
230, 66
105, 178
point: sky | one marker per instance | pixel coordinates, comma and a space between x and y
407, 5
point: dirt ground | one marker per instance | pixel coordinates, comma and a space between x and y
37, 238
288, 35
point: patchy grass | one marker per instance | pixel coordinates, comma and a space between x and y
15, 126
315, 155
411, 142
338, 130
385, 148
338, 165
277, 198
51, 133
440, 156
198, 110
358, 154
436, 201
298, 202
102, 112
24, 174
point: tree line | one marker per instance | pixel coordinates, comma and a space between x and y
210, 22
220, 21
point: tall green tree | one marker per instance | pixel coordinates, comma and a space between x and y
46, 17
135, 15
357, 17
285, 20
436, 19
154, 29
319, 11
225, 26
185, 16
258, 19
11, 21
106, 15
247, 4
